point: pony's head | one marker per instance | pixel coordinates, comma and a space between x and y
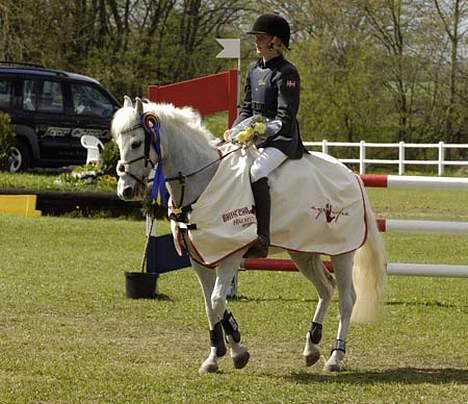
145, 132
135, 132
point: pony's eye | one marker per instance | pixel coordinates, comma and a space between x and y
136, 144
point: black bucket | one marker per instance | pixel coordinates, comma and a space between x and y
140, 285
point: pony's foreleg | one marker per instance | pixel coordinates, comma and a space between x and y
343, 265
226, 272
312, 268
207, 278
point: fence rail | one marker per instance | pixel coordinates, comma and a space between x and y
401, 148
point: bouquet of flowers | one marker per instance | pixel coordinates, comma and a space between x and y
253, 130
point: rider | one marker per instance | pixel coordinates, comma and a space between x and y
272, 90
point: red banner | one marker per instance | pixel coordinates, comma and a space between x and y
208, 94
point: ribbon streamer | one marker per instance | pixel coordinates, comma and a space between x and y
158, 190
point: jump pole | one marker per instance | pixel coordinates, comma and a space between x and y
401, 181
442, 270
384, 225
285, 265
431, 226
387, 225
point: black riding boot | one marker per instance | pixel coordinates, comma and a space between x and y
261, 193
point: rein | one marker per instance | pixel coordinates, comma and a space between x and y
182, 178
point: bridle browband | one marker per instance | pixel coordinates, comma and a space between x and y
151, 125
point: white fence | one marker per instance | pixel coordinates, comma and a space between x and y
400, 147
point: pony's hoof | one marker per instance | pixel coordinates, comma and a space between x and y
334, 361
311, 359
208, 368
241, 360
332, 367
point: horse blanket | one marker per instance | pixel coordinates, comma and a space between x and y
317, 206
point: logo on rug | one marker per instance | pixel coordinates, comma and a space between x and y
243, 217
330, 213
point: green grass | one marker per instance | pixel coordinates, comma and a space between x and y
421, 204
54, 182
69, 334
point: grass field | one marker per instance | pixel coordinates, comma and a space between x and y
68, 334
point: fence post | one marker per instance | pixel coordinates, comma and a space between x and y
362, 157
401, 158
441, 159
324, 146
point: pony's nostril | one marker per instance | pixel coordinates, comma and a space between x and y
127, 192
120, 169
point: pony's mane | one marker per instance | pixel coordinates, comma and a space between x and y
184, 117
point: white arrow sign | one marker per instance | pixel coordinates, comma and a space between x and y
231, 48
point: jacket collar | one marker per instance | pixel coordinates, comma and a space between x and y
271, 62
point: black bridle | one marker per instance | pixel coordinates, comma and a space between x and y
151, 125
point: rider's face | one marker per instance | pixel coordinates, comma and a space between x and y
263, 44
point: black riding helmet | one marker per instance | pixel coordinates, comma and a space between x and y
272, 24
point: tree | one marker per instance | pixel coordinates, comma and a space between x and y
453, 15
341, 93
124, 43
371, 69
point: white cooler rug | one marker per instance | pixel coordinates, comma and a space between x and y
317, 206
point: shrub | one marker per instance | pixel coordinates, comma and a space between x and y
7, 139
109, 158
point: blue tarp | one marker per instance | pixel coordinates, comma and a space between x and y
162, 256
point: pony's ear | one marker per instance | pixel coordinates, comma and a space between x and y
139, 106
127, 101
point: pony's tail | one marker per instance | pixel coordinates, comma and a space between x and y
369, 269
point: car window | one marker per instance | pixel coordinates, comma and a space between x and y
43, 96
5, 93
90, 100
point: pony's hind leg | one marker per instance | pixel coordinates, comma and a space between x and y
207, 278
343, 266
313, 269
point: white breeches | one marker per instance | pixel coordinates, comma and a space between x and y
269, 159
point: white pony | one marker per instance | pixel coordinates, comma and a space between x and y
149, 134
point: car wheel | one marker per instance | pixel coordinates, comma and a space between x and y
20, 157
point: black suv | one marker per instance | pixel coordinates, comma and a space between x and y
50, 110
